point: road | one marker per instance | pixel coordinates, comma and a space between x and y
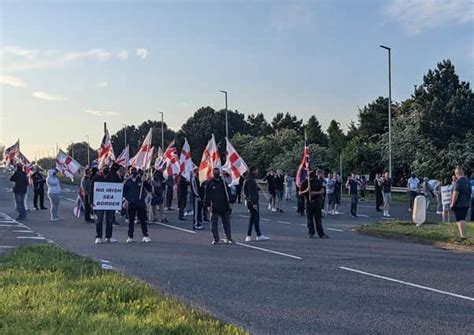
348, 284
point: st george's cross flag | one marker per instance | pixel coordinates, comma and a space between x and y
210, 160
303, 169
170, 162
124, 157
142, 159
66, 165
11, 153
105, 153
234, 164
185, 161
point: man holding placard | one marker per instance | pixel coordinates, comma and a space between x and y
107, 198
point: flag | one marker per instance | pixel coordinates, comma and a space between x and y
234, 164
142, 159
303, 169
21, 159
11, 153
185, 161
170, 162
66, 165
124, 157
210, 160
159, 165
105, 153
78, 209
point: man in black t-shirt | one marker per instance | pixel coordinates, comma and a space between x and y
353, 186
313, 191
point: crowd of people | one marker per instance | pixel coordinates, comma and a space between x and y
148, 198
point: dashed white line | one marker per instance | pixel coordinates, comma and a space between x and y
23, 231
10, 225
334, 229
363, 215
285, 222
268, 250
6, 247
407, 283
31, 237
177, 228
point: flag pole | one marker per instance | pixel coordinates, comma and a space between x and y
146, 159
308, 170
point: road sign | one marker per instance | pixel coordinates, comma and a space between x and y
108, 196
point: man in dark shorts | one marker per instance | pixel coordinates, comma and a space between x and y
460, 201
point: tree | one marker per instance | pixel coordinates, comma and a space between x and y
258, 125
314, 133
287, 121
2, 149
80, 152
46, 163
373, 118
289, 160
336, 143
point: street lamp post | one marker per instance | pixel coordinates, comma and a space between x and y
125, 133
88, 152
389, 108
162, 132
226, 115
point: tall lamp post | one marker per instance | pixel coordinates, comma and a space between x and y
162, 132
125, 134
389, 50
88, 152
226, 115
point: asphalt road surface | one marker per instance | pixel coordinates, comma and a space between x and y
348, 284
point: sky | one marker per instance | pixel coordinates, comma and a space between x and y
68, 66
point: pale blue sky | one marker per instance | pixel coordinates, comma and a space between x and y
304, 57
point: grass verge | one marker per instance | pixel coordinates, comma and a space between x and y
46, 290
443, 235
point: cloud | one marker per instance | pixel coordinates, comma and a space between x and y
19, 59
12, 81
142, 53
48, 96
100, 113
102, 84
416, 16
123, 54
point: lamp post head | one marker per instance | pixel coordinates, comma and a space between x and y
225, 92
385, 47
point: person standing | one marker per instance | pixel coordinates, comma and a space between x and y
270, 179
169, 192
330, 193
134, 194
472, 196
279, 189
363, 187
427, 192
182, 196
54, 193
38, 188
387, 194
313, 191
413, 186
337, 192
353, 186
300, 200
196, 198
252, 201
217, 197
104, 176
460, 201
20, 180
378, 192
157, 200
86, 189
437, 192
239, 188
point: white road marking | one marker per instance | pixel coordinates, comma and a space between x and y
31, 237
285, 222
6, 247
23, 231
408, 283
177, 228
69, 199
334, 229
8, 221
363, 215
268, 250
265, 219
10, 225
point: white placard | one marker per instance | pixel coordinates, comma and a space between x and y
108, 196
446, 195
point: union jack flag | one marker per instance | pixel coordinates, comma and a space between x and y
105, 153
303, 169
78, 209
66, 165
11, 153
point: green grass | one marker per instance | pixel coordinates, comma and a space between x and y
46, 290
431, 233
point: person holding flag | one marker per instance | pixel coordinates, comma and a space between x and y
301, 176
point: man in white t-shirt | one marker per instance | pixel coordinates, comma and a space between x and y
413, 186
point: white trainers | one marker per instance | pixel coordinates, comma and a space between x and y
248, 239
129, 240
146, 239
269, 207
274, 209
262, 238
111, 240
98, 240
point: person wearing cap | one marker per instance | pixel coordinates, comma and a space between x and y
313, 191
134, 193
217, 198
20, 186
38, 188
